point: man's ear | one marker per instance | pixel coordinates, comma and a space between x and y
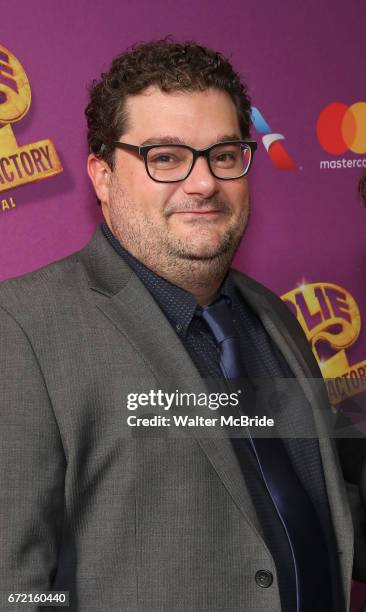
99, 174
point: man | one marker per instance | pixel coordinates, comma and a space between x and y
123, 517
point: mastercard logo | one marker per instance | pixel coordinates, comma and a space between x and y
342, 128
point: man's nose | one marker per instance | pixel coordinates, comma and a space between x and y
201, 181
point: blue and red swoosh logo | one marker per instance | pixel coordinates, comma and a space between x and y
273, 143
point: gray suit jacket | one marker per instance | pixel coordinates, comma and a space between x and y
129, 523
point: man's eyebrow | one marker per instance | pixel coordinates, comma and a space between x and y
223, 137
163, 140
177, 140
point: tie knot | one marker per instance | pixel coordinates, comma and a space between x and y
218, 317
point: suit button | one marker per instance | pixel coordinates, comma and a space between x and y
264, 578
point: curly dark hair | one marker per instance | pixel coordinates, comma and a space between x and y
362, 189
171, 66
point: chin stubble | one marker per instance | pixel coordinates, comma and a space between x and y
168, 256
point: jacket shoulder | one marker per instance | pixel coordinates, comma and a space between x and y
37, 290
248, 284
262, 298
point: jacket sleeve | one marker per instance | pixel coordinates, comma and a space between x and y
32, 469
358, 507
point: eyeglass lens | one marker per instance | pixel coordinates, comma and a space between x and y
173, 163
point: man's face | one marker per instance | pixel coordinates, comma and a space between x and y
198, 219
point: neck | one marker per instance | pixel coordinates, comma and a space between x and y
202, 279
203, 294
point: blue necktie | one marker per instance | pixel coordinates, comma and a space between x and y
291, 502
217, 317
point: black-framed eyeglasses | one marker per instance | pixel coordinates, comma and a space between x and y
171, 163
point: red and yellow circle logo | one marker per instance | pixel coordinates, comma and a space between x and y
342, 128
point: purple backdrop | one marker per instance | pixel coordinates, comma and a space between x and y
306, 224
296, 57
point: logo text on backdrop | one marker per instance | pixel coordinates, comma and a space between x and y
20, 164
331, 320
342, 129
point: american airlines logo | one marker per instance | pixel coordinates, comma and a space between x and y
273, 143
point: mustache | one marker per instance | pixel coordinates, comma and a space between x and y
201, 205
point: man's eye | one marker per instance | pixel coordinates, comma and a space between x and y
225, 158
163, 159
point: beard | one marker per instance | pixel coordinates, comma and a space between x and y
225, 245
195, 260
